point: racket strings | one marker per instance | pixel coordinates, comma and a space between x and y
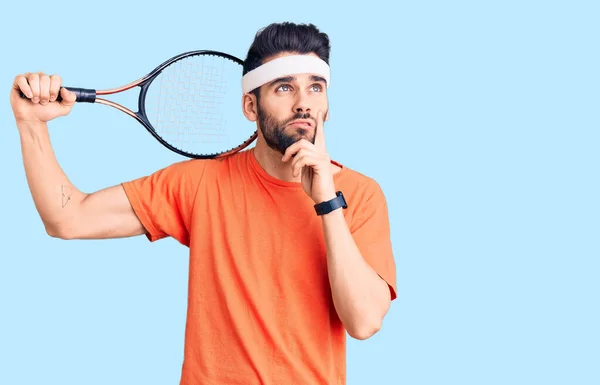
188, 107
191, 103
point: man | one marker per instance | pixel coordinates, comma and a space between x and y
290, 252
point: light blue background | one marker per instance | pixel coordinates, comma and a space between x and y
479, 120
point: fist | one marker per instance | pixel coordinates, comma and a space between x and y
41, 92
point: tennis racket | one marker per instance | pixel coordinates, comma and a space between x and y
191, 104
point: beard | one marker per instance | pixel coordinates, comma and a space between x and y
274, 133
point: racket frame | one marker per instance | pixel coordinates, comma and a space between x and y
85, 95
144, 84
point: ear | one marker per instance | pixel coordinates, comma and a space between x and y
249, 106
327, 115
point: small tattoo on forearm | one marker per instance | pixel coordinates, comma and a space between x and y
66, 194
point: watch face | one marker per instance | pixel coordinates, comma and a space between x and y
341, 196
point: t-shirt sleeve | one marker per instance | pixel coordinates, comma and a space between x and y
370, 228
163, 201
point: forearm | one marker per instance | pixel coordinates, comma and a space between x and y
360, 296
55, 198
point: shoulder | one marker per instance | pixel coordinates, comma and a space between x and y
201, 168
364, 196
358, 186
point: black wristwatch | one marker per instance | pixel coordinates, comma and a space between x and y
330, 205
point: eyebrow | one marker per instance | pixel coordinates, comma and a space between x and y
287, 79
318, 79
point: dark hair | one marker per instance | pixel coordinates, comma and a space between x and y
286, 37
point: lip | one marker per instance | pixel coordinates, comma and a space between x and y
301, 123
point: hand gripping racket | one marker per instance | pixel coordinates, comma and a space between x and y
191, 104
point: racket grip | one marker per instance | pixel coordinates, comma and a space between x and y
84, 95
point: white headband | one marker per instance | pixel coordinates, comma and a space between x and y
285, 66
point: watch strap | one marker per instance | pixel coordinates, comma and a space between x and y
331, 205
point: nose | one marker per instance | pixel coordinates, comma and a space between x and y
301, 105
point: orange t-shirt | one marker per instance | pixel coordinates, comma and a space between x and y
259, 302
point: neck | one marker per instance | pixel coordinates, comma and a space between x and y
270, 161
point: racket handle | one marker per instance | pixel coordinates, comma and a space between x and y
84, 95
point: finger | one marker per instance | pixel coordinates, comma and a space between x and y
298, 162
294, 148
34, 83
21, 84
306, 173
300, 155
55, 83
68, 97
303, 160
299, 166
319, 132
311, 158
44, 89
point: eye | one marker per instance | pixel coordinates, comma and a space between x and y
317, 87
283, 87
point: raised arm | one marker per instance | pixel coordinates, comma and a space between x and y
65, 211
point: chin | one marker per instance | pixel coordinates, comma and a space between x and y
302, 133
